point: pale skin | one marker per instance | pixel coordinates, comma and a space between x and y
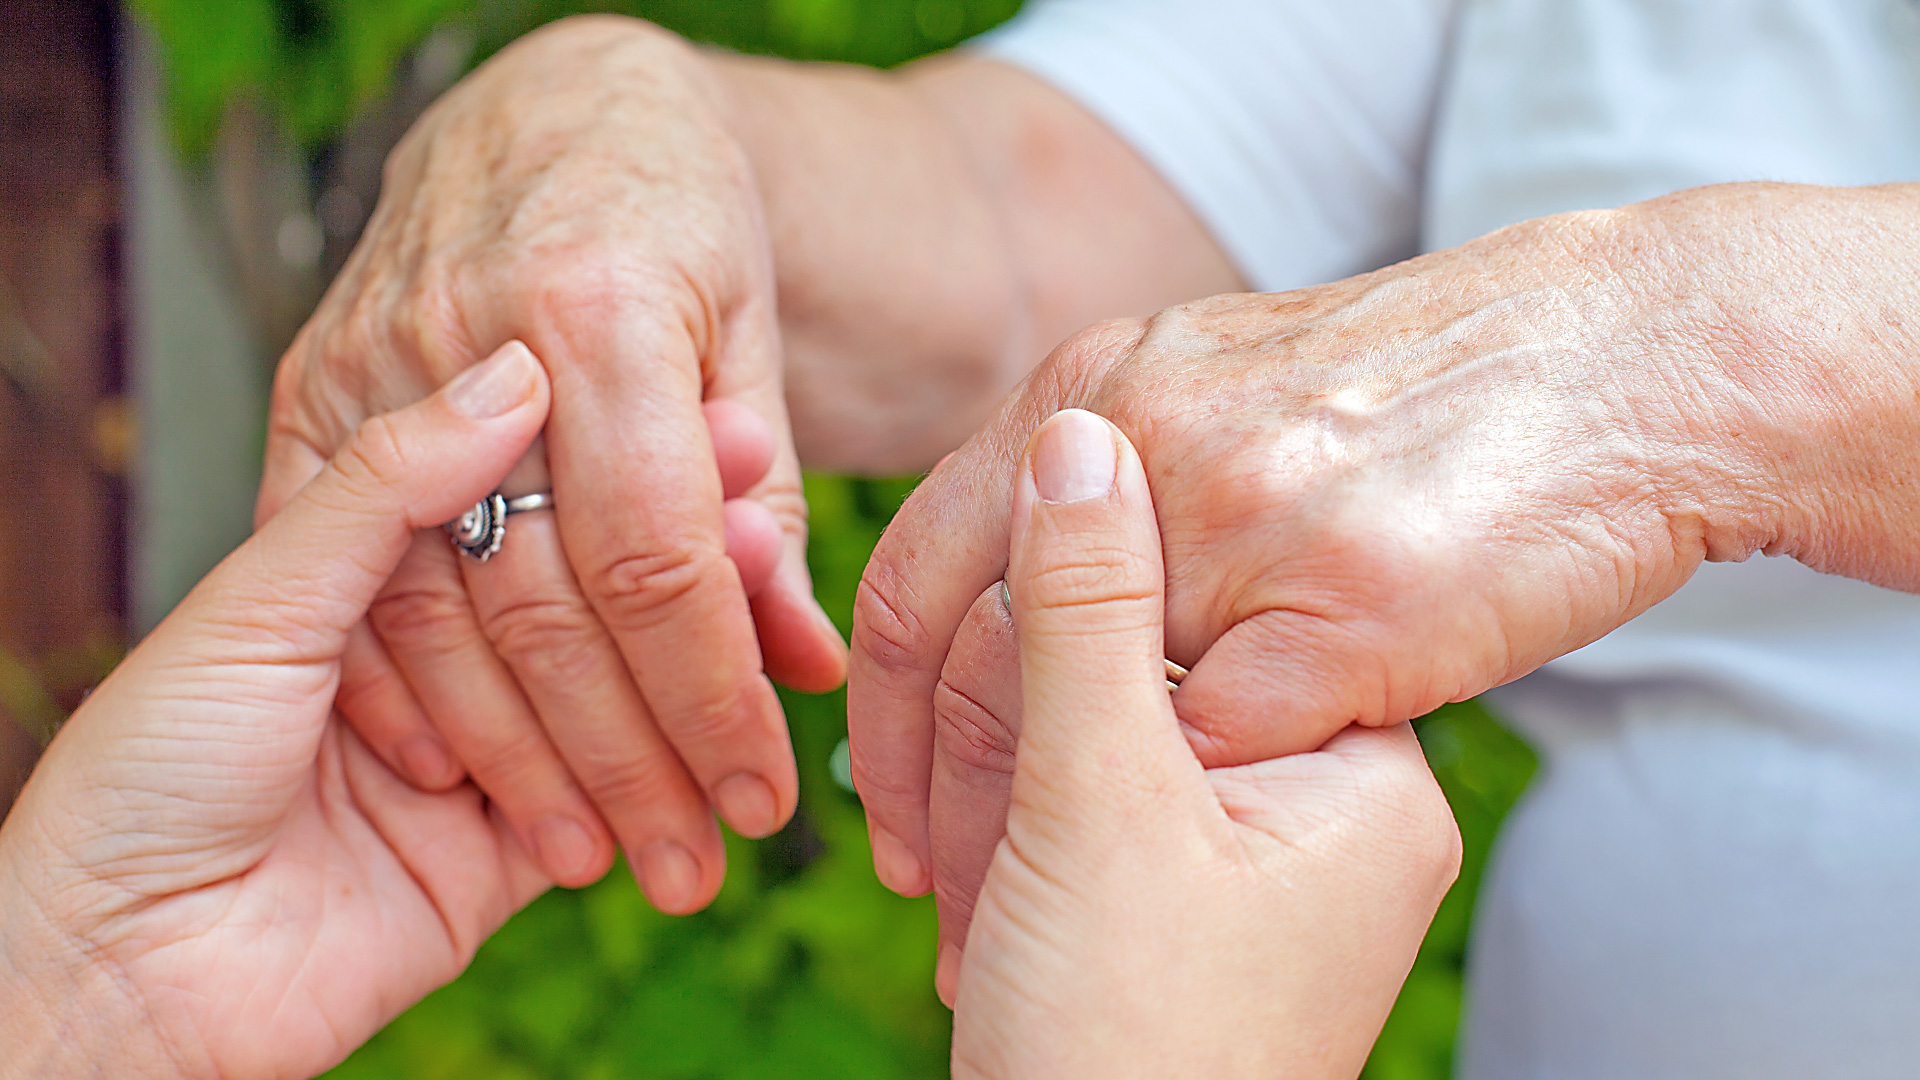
635, 211
1376, 495
1144, 916
210, 875
1388, 493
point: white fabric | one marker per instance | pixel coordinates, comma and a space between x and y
1716, 872
1295, 128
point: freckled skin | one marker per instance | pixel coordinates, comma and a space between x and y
861, 263
1390, 492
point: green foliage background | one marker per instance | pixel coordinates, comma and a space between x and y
805, 967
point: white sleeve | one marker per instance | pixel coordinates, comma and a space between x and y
1296, 129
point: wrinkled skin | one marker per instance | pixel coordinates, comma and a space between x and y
603, 671
1147, 917
209, 874
628, 205
1391, 492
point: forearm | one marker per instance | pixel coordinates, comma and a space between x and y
935, 232
1797, 419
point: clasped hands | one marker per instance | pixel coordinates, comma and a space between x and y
210, 874
1376, 495
1373, 497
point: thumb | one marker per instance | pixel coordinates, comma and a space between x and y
311, 571
1086, 581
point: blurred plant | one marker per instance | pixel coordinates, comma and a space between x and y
805, 967
25, 698
316, 63
39, 694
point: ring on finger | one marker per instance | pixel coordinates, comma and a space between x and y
479, 533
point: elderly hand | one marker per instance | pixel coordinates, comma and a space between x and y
1395, 491
581, 194
209, 874
1145, 916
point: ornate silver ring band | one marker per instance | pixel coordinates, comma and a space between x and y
479, 532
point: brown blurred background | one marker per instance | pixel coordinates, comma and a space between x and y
144, 298
66, 431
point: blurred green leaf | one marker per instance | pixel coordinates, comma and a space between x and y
24, 696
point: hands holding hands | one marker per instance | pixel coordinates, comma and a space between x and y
1373, 497
1387, 493
1147, 916
602, 677
210, 874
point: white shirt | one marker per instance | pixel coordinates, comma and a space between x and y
1716, 872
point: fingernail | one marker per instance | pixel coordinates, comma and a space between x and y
425, 760
946, 974
669, 876
499, 384
896, 865
1075, 458
747, 804
564, 847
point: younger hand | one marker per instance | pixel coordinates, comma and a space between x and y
210, 874
1145, 916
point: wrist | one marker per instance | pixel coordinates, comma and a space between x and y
901, 315
1793, 385
62, 1015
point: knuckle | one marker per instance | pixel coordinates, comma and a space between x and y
645, 780
364, 690
1094, 575
431, 619
575, 281
376, 455
550, 640
970, 733
715, 717
788, 505
434, 329
1445, 854
641, 591
710, 719
1099, 345
579, 285
1080, 364
512, 762
885, 628
887, 790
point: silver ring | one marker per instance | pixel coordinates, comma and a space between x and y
479, 532
1174, 672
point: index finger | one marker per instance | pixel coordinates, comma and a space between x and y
638, 499
944, 547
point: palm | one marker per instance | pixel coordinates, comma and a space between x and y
213, 871
403, 885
